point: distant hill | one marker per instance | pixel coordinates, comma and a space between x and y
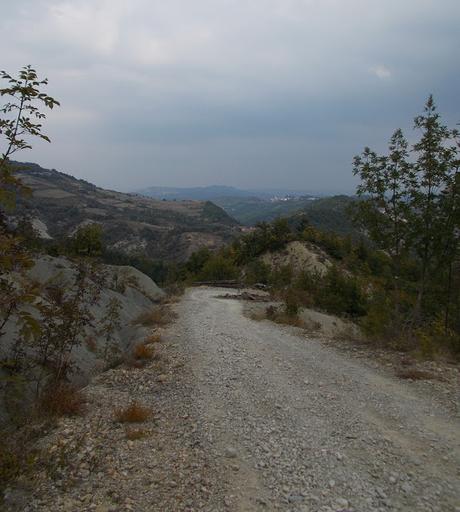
326, 213
250, 210
214, 192
331, 214
133, 224
252, 206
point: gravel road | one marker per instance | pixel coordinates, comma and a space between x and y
250, 416
294, 425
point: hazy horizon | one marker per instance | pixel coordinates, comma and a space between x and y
273, 94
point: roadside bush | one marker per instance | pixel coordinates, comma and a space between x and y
257, 272
281, 277
197, 260
218, 268
386, 317
308, 281
270, 312
291, 304
341, 294
434, 338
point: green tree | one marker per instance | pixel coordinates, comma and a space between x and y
21, 119
434, 196
385, 189
411, 209
87, 241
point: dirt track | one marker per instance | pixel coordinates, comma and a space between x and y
309, 427
251, 416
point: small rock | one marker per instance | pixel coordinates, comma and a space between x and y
102, 508
407, 487
380, 493
230, 452
341, 503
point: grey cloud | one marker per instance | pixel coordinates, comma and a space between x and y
269, 92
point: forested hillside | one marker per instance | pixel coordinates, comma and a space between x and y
327, 213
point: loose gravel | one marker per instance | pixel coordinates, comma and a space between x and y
252, 416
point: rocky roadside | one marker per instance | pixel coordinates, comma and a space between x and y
95, 463
250, 416
439, 377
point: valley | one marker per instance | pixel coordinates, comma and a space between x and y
249, 207
132, 224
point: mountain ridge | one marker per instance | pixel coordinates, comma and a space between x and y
132, 224
212, 192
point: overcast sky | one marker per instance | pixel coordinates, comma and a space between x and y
250, 93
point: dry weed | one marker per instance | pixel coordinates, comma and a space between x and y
285, 319
414, 374
61, 399
133, 434
159, 315
134, 413
152, 338
257, 316
143, 352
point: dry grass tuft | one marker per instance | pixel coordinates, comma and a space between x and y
414, 374
285, 319
91, 344
280, 317
134, 363
159, 315
134, 413
18, 455
61, 400
133, 434
10, 462
257, 316
143, 352
152, 338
